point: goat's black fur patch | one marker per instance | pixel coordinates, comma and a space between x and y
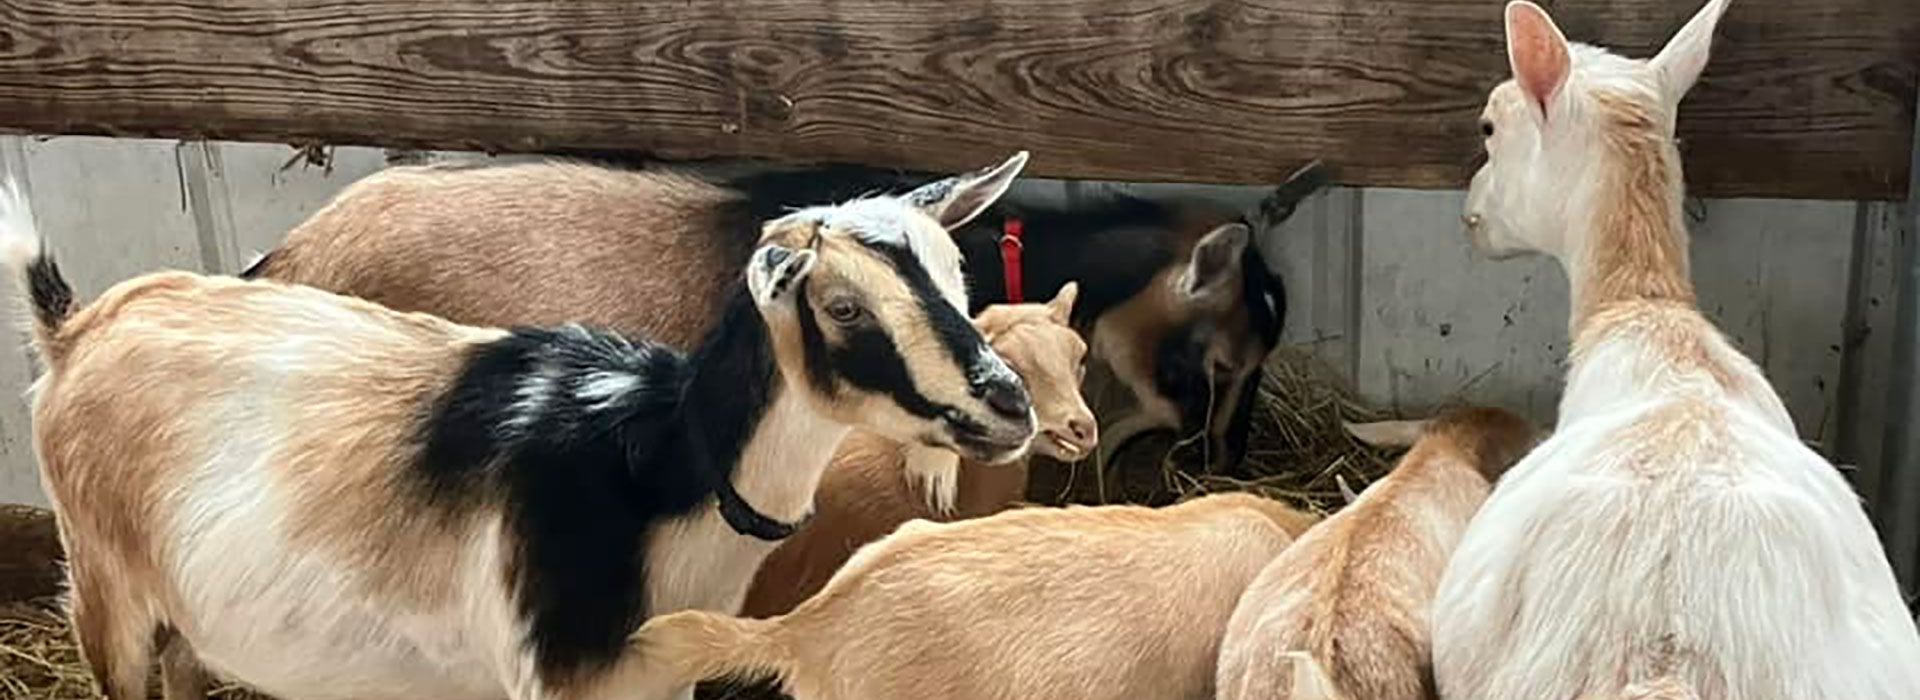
51, 296
587, 441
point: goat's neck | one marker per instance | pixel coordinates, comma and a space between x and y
781, 465
766, 435
984, 489
1630, 242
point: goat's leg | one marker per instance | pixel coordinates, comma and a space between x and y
115, 633
181, 675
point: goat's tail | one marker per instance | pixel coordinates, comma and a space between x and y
684, 648
49, 298
1310, 680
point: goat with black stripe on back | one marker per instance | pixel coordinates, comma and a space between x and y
325, 498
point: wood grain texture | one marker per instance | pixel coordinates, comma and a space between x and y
1802, 99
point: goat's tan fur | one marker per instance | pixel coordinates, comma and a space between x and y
1350, 598
465, 233
1022, 604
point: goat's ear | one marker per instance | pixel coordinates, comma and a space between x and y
1388, 433
1215, 260
956, 200
1061, 306
1279, 205
1538, 53
775, 272
1685, 55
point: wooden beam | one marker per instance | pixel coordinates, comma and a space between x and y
1802, 99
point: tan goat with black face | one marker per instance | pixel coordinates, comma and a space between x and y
325, 498
876, 484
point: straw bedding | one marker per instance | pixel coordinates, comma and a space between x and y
1298, 452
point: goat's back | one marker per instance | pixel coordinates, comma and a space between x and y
1653, 537
1355, 591
531, 244
216, 449
1112, 602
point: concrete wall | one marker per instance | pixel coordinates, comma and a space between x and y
1382, 283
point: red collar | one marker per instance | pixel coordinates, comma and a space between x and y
1010, 246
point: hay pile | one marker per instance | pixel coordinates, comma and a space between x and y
39, 660
1297, 451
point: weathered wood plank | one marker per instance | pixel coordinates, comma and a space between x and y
1803, 99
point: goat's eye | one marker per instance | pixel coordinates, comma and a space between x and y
844, 311
1486, 128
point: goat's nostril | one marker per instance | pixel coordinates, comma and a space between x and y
1085, 430
1008, 399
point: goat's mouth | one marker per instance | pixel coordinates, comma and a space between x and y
1056, 445
980, 442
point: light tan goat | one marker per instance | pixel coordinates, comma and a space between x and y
1351, 596
870, 489
1075, 603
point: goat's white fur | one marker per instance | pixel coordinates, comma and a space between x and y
1673, 524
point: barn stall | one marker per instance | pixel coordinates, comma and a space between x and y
154, 135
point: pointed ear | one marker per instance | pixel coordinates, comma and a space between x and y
1061, 305
1685, 55
1388, 433
1280, 204
1215, 260
1538, 53
775, 271
956, 200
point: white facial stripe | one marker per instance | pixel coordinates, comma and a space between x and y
892, 221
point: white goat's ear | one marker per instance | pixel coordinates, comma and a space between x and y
1680, 62
1215, 260
1061, 305
1538, 53
1388, 433
776, 271
956, 200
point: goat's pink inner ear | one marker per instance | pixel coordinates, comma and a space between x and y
1538, 53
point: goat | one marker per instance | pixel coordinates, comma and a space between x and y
1184, 313
1351, 596
325, 498
1674, 521
870, 488
1025, 603
1176, 299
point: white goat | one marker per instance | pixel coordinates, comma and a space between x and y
1673, 524
325, 498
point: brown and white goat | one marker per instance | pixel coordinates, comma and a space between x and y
1352, 595
870, 489
1674, 522
1181, 306
325, 498
1065, 603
